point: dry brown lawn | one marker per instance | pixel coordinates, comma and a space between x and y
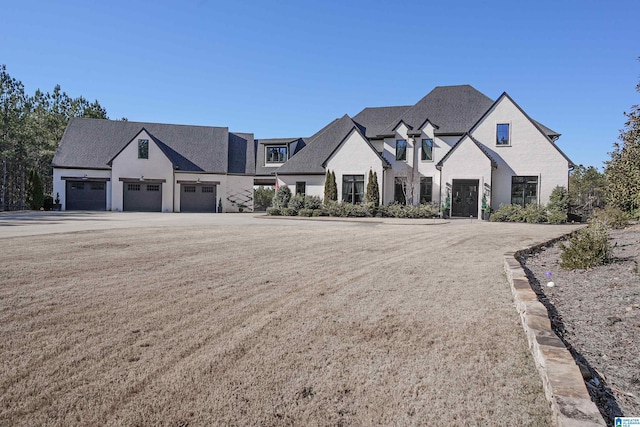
266, 325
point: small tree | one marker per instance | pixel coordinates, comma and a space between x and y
262, 198
282, 197
587, 190
330, 187
558, 205
35, 191
373, 193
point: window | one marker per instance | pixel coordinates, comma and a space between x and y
153, 187
133, 187
97, 185
189, 189
524, 190
77, 185
207, 189
502, 134
353, 188
399, 190
401, 149
301, 187
276, 154
143, 148
427, 149
426, 188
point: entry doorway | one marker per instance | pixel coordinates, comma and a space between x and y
464, 198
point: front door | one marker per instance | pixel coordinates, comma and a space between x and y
464, 198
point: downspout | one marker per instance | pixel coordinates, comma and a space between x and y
173, 190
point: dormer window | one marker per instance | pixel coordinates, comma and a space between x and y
276, 154
143, 148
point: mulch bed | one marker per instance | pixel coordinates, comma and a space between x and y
596, 312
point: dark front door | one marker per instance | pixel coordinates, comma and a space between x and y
86, 195
464, 198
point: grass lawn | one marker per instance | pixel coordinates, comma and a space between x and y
267, 325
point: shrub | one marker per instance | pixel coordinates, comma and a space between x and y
330, 187
296, 203
305, 212
312, 202
396, 210
612, 217
262, 198
587, 248
35, 191
510, 213
274, 211
559, 200
289, 212
535, 214
373, 192
555, 217
318, 212
48, 202
281, 198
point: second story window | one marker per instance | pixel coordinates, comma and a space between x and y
276, 154
143, 148
401, 149
427, 149
502, 134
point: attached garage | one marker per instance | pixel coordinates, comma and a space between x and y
142, 196
86, 195
197, 196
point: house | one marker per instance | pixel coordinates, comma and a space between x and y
454, 144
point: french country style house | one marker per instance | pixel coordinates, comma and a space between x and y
454, 144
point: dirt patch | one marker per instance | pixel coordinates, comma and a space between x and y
302, 324
597, 313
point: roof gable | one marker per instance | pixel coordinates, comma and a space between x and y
384, 161
544, 131
376, 119
464, 138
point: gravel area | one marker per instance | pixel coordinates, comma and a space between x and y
596, 312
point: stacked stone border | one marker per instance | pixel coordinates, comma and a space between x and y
562, 380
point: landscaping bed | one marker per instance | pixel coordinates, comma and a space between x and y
596, 312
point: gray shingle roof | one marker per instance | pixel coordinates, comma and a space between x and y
92, 143
376, 119
295, 144
454, 109
550, 133
242, 153
319, 148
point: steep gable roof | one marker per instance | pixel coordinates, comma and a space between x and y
320, 147
376, 119
91, 143
452, 109
545, 131
460, 141
261, 168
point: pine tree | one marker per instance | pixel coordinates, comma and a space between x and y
35, 191
373, 194
330, 188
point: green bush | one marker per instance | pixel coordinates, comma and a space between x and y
318, 212
274, 211
305, 212
555, 217
289, 212
262, 198
559, 200
612, 217
339, 209
296, 203
397, 210
508, 213
312, 202
589, 247
281, 198
535, 214
48, 202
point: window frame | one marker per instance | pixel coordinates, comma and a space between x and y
270, 159
349, 189
133, 187
303, 185
503, 144
424, 179
526, 184
400, 182
424, 153
153, 187
401, 156
143, 148
188, 188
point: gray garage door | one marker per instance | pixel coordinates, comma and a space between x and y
142, 197
197, 198
86, 195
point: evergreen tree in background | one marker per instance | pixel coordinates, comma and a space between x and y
35, 191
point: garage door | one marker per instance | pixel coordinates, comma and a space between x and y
142, 197
86, 195
197, 198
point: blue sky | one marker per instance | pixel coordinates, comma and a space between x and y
287, 68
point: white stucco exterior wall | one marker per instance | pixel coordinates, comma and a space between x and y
314, 183
355, 157
128, 165
530, 153
60, 186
